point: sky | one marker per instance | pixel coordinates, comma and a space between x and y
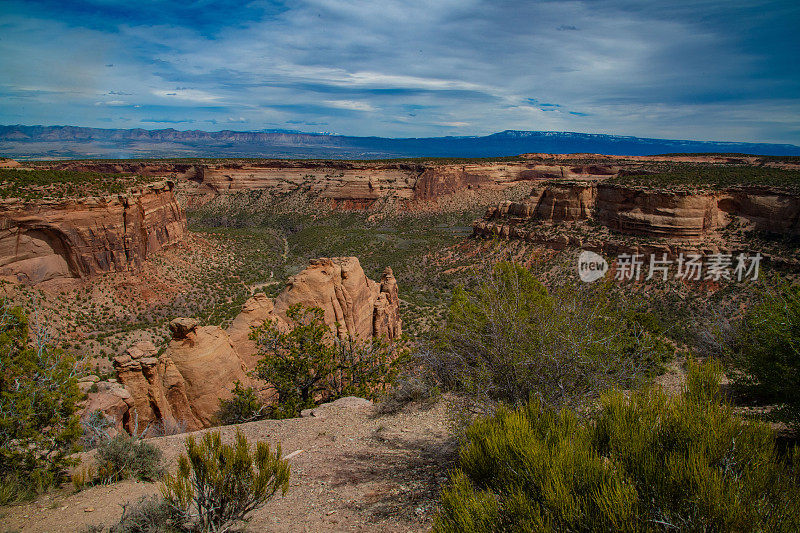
703, 70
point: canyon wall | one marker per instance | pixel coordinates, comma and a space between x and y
355, 184
78, 238
689, 216
347, 184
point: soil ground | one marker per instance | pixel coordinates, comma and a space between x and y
358, 471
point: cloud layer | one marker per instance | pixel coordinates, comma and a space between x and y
722, 70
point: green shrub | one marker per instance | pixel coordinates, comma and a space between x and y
298, 363
221, 484
409, 388
307, 363
125, 456
647, 462
766, 352
244, 406
150, 514
508, 340
38, 393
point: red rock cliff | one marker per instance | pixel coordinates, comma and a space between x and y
665, 213
71, 238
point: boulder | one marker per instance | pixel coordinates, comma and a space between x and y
181, 327
142, 349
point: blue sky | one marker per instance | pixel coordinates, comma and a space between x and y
725, 70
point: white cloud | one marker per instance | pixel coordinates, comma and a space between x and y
191, 95
411, 68
353, 105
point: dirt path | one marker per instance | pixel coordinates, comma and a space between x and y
357, 472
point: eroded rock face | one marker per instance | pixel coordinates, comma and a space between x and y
182, 387
47, 239
349, 299
386, 321
352, 184
113, 400
255, 311
656, 213
660, 213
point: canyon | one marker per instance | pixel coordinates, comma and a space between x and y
83, 237
347, 184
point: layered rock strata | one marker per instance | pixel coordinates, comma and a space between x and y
683, 215
349, 184
80, 238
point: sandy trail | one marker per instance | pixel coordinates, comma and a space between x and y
357, 472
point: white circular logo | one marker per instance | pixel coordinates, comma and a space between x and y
591, 266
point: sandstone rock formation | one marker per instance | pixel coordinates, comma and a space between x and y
361, 184
361, 307
111, 399
46, 239
182, 387
350, 184
255, 311
676, 214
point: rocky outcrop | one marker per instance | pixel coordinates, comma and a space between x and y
182, 387
354, 305
209, 368
255, 311
355, 184
79, 238
776, 212
655, 213
386, 321
109, 398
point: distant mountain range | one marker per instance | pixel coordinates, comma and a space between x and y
72, 142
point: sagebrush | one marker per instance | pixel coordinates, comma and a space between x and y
126, 456
218, 485
645, 462
508, 340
